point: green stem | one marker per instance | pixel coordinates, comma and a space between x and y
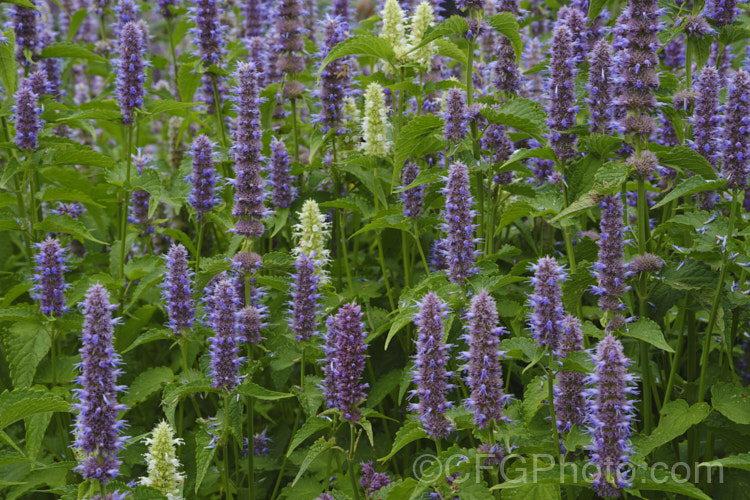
352, 477
419, 248
174, 57
678, 351
295, 130
199, 244
379, 242
406, 259
219, 114
225, 451
126, 196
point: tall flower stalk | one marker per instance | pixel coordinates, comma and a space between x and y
460, 251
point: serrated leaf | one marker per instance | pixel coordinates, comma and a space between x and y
59, 50
78, 155
66, 224
648, 331
188, 80
415, 139
732, 401
521, 114
519, 348
454, 25
446, 48
23, 403
313, 453
168, 106
677, 417
8, 64
533, 398
410, 432
692, 185
146, 384
67, 194
689, 275
655, 479
595, 8
736, 461
366, 45
36, 428
26, 344
252, 390
506, 24
149, 336
383, 386
204, 456
310, 427
684, 158
174, 392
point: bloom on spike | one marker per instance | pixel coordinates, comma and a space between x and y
600, 88
734, 164
394, 28
250, 324
609, 417
225, 359
305, 301
576, 21
26, 112
706, 118
413, 198
26, 29
610, 269
546, 316
506, 75
335, 78
345, 361
127, 12
561, 92
460, 244
49, 283
177, 289
430, 372
208, 35
375, 122
372, 481
290, 30
255, 13
130, 71
39, 83
249, 185
139, 201
569, 395
203, 179
97, 426
723, 12
312, 234
455, 115
423, 18
161, 460
484, 374
284, 192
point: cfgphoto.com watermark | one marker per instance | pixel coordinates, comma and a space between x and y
531, 468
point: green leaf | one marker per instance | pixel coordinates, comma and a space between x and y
683, 158
655, 479
677, 417
66, 224
578, 361
519, 348
533, 398
149, 336
648, 331
310, 427
26, 344
602, 145
366, 45
8, 64
146, 384
692, 185
252, 390
22, 3
506, 24
595, 8
733, 33
732, 401
410, 432
36, 428
168, 106
320, 446
415, 138
522, 114
383, 386
689, 275
68, 194
447, 48
533, 492
67, 49
174, 392
23, 403
75, 22
188, 80
454, 25
65, 154
735, 461
395, 221
203, 457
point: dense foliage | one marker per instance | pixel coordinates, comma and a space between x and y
276, 249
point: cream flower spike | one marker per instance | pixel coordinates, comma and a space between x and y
163, 465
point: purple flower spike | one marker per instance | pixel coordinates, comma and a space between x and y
127, 12
203, 179
177, 290
561, 92
455, 116
139, 202
723, 12
26, 112
164, 8
130, 71
506, 75
335, 78
305, 299
372, 481
413, 198
610, 269
26, 29
430, 372
498, 143
255, 12
97, 427
637, 65
49, 281
600, 88
734, 164
345, 361
576, 21
484, 374
284, 192
460, 244
609, 417
250, 193
341, 9
437, 255
225, 359
39, 83
289, 26
470, 4
569, 396
208, 35
546, 317
250, 324
706, 119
